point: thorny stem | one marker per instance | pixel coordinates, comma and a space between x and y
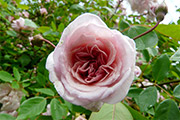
48, 42
119, 2
147, 31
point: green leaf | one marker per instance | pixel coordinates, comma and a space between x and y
44, 29
16, 74
147, 98
112, 112
31, 107
46, 91
123, 25
161, 67
167, 110
176, 91
41, 79
30, 23
176, 56
53, 25
136, 115
169, 30
25, 7
11, 33
148, 40
76, 8
24, 59
61, 27
5, 76
58, 111
15, 85
134, 92
4, 116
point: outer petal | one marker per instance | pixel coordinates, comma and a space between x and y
80, 21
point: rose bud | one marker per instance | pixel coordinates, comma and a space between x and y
43, 11
36, 40
161, 11
92, 64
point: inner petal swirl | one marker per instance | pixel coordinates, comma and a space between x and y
89, 64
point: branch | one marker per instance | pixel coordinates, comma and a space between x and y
147, 31
119, 2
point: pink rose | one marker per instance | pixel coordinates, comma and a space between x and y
43, 11
19, 25
92, 64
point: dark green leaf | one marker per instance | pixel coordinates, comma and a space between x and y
4, 116
58, 111
147, 98
46, 91
24, 59
123, 25
167, 110
5, 76
16, 74
161, 67
176, 56
176, 91
31, 107
136, 115
76, 8
148, 40
112, 112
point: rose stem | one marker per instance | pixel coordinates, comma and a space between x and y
48, 42
147, 31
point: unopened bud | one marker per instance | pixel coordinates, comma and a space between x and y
161, 11
37, 40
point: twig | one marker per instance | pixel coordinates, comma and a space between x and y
48, 42
119, 2
171, 96
147, 31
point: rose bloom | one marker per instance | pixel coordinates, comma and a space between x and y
141, 5
10, 99
43, 11
92, 64
19, 24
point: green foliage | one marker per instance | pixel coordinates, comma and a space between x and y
161, 67
58, 111
112, 112
5, 76
31, 107
148, 40
167, 110
6, 117
147, 98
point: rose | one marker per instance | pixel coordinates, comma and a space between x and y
92, 64
43, 11
19, 25
10, 99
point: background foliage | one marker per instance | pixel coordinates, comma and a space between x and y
155, 94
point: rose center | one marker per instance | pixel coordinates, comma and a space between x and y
90, 64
